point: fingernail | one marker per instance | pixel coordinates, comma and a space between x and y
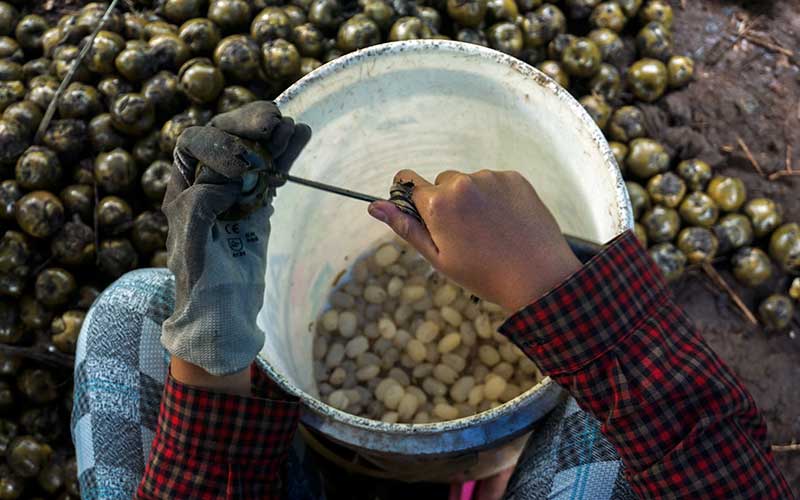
378, 213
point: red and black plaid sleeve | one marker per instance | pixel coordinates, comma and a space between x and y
682, 423
210, 445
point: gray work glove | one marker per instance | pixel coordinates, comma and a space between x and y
217, 253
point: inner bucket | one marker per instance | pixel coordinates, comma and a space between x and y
428, 105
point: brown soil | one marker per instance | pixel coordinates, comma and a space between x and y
750, 91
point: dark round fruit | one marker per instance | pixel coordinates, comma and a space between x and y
606, 83
10, 192
134, 62
627, 124
597, 108
358, 32
29, 31
308, 64
200, 80
8, 18
35, 67
234, 97
728, 193
40, 214
74, 244
41, 90
103, 135
297, 16
65, 330
662, 224
641, 234
10, 71
149, 231
556, 47
765, 214
158, 28
656, 10
776, 312
38, 168
666, 189
114, 215
134, 26
506, 37
10, 49
26, 114
554, 70
581, 9
309, 40
581, 58
27, 457
695, 172
640, 200
239, 57
698, 244
409, 28
751, 266
79, 101
610, 44
159, 259
608, 15
620, 151
112, 86
13, 141
542, 25
230, 15
172, 129
132, 114
179, 11
168, 51
155, 180
163, 92
78, 200
63, 58
467, 13
646, 158
784, 247
670, 260
115, 171
55, 286
630, 7
325, 14
680, 70
201, 35
104, 51
116, 257
270, 24
11, 92
281, 60
473, 36
733, 231
647, 79
698, 209
654, 40
34, 314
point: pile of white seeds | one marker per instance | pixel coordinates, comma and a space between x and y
400, 343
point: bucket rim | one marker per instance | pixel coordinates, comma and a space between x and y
538, 400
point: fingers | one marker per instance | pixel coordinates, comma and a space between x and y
219, 151
281, 135
298, 141
406, 227
255, 121
443, 177
411, 176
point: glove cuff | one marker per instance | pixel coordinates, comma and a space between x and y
217, 330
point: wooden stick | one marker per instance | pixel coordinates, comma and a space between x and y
750, 156
779, 448
683, 4
788, 170
787, 162
51, 108
767, 44
720, 282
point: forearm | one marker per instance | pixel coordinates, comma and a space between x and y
682, 423
207, 441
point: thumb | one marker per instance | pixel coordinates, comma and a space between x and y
406, 227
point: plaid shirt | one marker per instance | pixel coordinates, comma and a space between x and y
611, 335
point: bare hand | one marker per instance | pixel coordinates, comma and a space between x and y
487, 231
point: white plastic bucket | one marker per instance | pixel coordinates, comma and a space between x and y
428, 105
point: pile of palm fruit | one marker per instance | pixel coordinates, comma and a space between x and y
79, 199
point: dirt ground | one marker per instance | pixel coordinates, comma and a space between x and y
746, 90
